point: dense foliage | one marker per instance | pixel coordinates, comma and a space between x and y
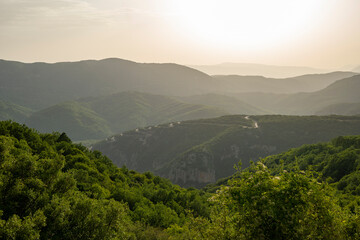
258, 205
51, 188
337, 161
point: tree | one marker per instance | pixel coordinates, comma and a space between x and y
293, 205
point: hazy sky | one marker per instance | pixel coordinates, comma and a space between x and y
318, 33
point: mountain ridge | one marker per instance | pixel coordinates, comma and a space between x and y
196, 153
256, 69
47, 84
303, 83
40, 85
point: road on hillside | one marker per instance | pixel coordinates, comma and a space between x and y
256, 125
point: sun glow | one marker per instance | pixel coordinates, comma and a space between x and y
246, 23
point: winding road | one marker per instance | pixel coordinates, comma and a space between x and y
256, 125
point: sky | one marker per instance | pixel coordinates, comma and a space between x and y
315, 33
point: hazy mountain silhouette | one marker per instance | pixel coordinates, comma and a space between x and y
39, 85
304, 83
256, 69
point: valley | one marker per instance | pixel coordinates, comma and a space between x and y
179, 120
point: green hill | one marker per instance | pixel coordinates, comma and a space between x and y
81, 122
338, 160
100, 117
195, 153
10, 111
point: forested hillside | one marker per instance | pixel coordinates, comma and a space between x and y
337, 161
196, 153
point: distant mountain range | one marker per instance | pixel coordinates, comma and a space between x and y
270, 71
41, 85
304, 83
95, 99
198, 152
